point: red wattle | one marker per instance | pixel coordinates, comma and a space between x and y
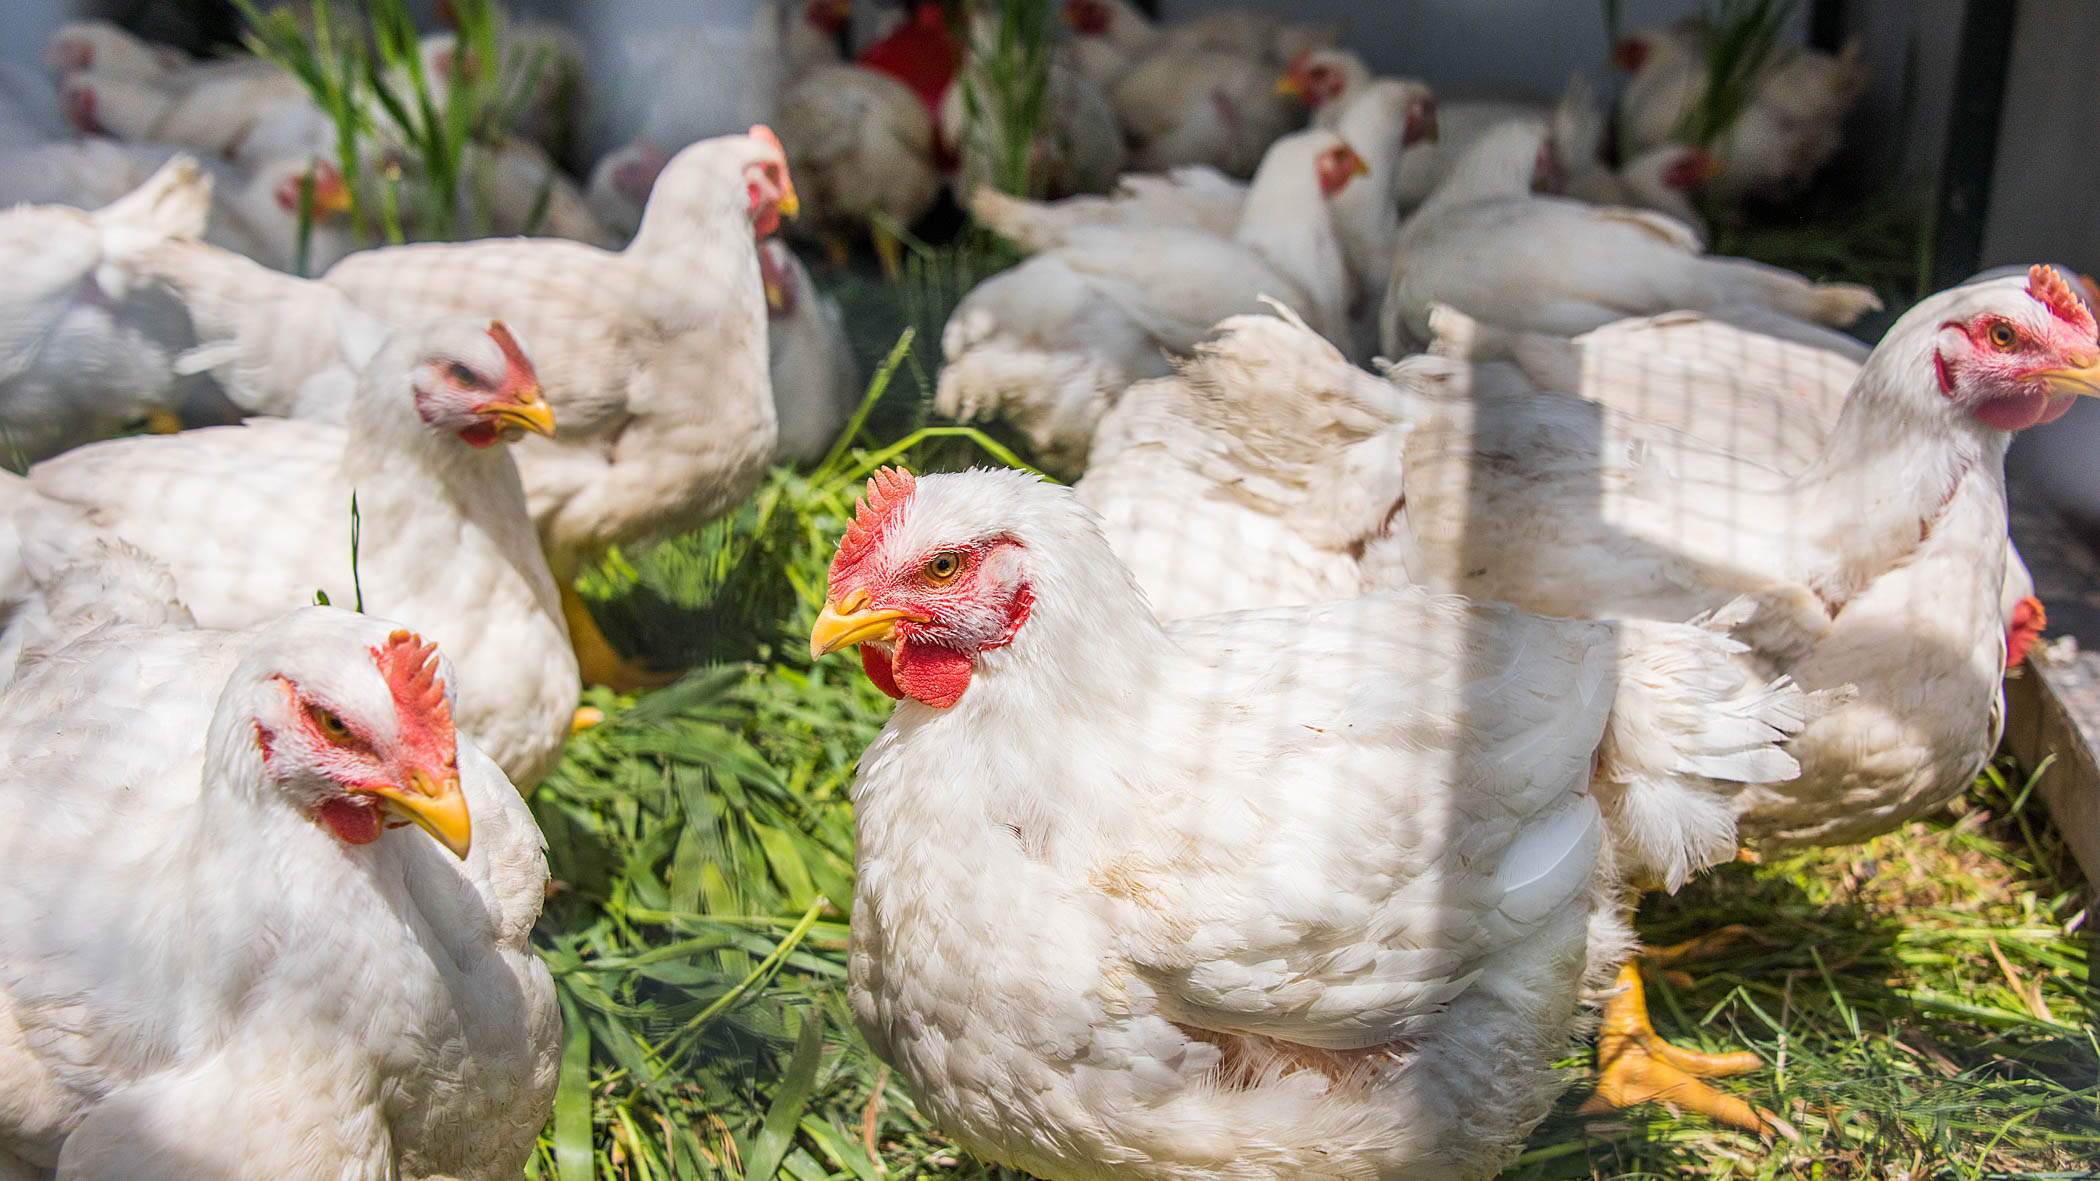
2026, 627
936, 676
2017, 412
352, 822
481, 435
876, 663
2059, 405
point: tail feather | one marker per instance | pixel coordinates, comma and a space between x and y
1032, 226
171, 206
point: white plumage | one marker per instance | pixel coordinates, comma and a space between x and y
1051, 344
1880, 564
659, 383
252, 520
87, 343
1292, 893
1486, 245
201, 974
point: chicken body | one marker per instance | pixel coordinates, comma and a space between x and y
1204, 107
199, 978
1268, 472
253, 520
1790, 129
1230, 965
1486, 245
87, 344
658, 381
1880, 564
1052, 343
253, 212
860, 144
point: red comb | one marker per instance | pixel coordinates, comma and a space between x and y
2046, 285
410, 666
888, 489
513, 356
764, 135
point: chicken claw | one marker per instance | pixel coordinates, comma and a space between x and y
1635, 1065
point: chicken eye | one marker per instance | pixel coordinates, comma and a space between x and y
943, 566
330, 724
2002, 335
462, 375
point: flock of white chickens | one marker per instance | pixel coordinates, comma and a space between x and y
1270, 803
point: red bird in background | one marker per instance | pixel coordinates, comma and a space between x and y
922, 54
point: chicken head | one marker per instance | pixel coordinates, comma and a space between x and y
1337, 166
330, 199
1689, 169
921, 600
829, 17
766, 182
1315, 77
359, 745
482, 390
2017, 363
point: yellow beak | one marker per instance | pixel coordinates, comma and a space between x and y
1287, 86
435, 806
849, 621
527, 409
776, 299
790, 205
2075, 379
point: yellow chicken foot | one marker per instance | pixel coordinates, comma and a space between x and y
585, 717
162, 421
1635, 1065
888, 250
596, 661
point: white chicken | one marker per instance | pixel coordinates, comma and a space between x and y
617, 190
1244, 32
239, 109
1766, 400
1789, 130
215, 960
1663, 179
1257, 474
109, 48
253, 212
253, 520
1880, 565
1050, 344
862, 147
1881, 559
1204, 107
816, 386
1485, 244
1197, 197
659, 381
87, 344
1309, 891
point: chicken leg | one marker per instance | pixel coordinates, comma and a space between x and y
596, 660
1634, 1065
888, 250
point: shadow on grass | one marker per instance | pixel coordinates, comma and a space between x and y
1921, 1008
